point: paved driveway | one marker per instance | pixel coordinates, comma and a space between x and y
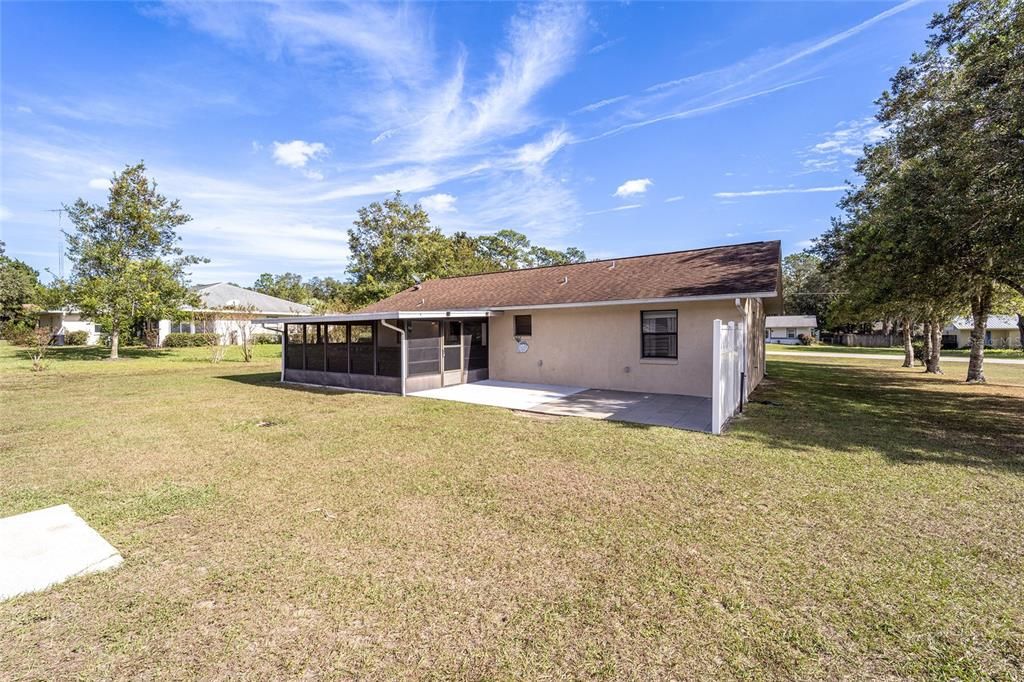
654, 409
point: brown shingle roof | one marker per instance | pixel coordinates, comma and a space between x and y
720, 270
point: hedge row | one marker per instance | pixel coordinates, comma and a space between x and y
184, 340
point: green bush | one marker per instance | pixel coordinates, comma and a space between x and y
268, 339
180, 340
20, 334
79, 338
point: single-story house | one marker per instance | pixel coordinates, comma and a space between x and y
642, 323
786, 329
228, 310
64, 321
1001, 332
225, 309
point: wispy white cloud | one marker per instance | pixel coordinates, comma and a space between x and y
839, 37
633, 187
538, 153
627, 207
99, 183
594, 106
744, 72
439, 203
391, 41
782, 190
846, 141
459, 121
535, 203
695, 111
601, 47
678, 197
5, 213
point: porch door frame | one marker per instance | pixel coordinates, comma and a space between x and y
450, 377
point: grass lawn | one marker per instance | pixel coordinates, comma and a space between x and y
867, 523
1008, 353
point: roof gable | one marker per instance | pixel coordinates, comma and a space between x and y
224, 295
717, 271
791, 321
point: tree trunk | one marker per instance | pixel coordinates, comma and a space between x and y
908, 342
981, 306
1020, 328
927, 350
114, 337
932, 366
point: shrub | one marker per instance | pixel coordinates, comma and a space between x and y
268, 339
21, 334
181, 340
919, 350
78, 338
804, 339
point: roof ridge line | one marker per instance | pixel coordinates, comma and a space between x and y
606, 260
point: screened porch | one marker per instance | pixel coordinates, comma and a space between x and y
393, 355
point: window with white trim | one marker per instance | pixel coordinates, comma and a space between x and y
659, 336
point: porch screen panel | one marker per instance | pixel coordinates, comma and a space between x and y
315, 347
424, 349
475, 345
337, 348
389, 351
361, 348
293, 346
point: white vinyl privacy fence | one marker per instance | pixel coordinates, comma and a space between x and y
728, 372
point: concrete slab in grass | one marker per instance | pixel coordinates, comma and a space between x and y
45, 547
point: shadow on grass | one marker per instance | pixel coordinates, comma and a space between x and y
273, 380
909, 417
94, 353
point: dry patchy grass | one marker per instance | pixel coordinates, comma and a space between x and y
870, 526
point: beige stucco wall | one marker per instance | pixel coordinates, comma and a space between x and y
593, 346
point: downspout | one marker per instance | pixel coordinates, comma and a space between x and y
403, 364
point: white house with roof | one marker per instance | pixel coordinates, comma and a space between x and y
1001, 332
228, 310
786, 329
225, 309
62, 322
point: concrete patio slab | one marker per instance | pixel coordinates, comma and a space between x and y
510, 394
48, 546
653, 409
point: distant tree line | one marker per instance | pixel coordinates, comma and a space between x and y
393, 245
936, 227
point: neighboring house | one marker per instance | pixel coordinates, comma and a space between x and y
62, 322
786, 329
228, 310
642, 323
225, 309
1001, 332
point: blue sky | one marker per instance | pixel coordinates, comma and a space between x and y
618, 128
